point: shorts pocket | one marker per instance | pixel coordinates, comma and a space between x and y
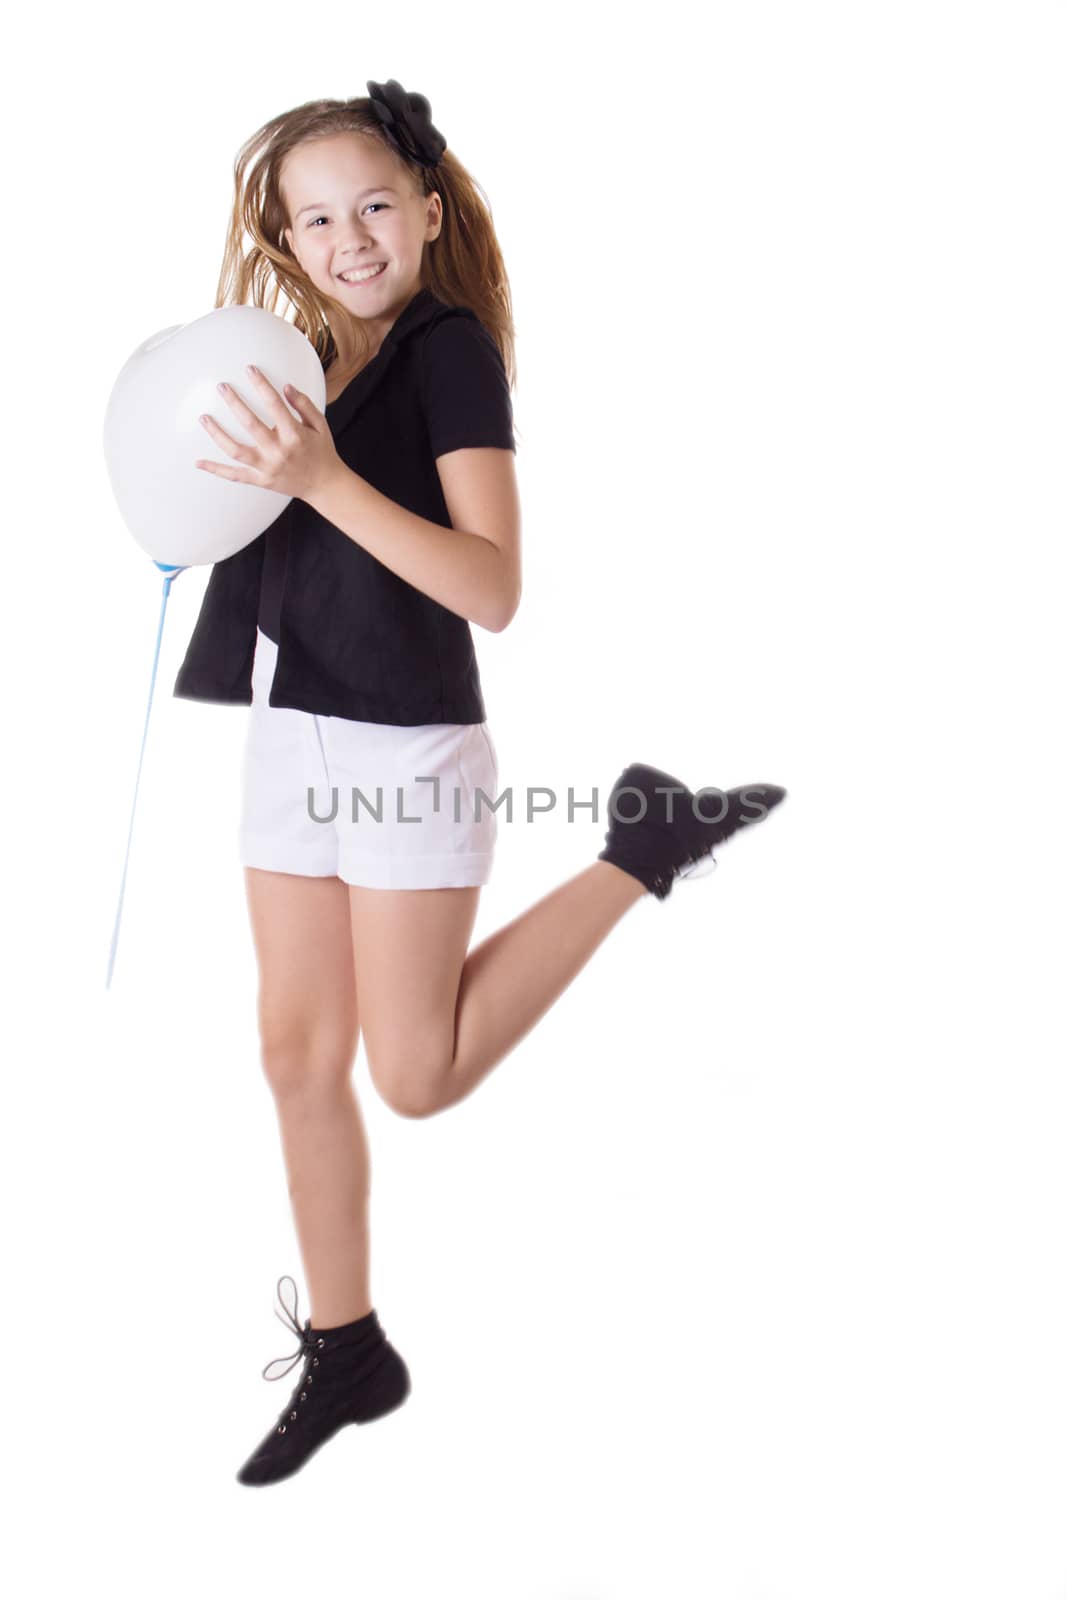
478, 764
483, 728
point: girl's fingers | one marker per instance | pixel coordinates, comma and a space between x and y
270, 395
228, 444
223, 472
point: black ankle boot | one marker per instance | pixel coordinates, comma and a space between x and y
351, 1374
658, 837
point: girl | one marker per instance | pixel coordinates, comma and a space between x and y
346, 627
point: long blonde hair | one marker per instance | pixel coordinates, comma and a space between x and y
464, 266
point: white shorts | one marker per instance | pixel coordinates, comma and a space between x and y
374, 816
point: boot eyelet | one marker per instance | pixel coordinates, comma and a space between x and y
315, 1362
281, 1429
292, 1414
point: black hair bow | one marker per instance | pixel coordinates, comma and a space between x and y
405, 121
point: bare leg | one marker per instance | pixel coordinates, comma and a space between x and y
512, 978
328, 1167
309, 1032
436, 1019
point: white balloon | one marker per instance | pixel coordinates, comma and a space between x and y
181, 514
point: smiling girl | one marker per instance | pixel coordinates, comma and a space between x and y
346, 627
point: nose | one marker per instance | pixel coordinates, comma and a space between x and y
354, 255
359, 237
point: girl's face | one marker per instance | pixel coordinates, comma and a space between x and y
352, 205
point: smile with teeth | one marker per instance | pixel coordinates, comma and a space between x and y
362, 274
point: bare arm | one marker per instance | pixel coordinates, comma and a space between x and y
472, 568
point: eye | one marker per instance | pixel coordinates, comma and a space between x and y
374, 205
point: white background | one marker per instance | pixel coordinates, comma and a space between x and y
742, 1278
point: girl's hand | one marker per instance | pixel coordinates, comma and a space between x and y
296, 457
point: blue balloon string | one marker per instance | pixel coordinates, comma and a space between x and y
171, 573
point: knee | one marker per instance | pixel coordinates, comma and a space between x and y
298, 1063
410, 1087
409, 1096
413, 1106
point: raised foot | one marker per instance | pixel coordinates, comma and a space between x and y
658, 829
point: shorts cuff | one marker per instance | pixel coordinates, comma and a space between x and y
270, 856
415, 872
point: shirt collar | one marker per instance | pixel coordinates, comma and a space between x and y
419, 310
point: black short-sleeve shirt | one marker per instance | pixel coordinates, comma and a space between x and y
354, 639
